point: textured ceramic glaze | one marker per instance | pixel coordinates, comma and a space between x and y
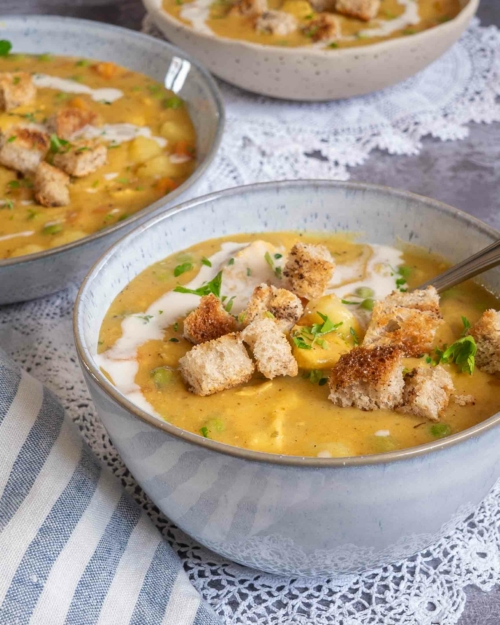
46, 272
283, 514
313, 74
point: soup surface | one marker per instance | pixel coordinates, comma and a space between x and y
141, 342
394, 18
146, 131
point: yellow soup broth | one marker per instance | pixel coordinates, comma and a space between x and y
287, 415
138, 170
394, 18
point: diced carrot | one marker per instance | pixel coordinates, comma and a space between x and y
106, 69
165, 185
184, 148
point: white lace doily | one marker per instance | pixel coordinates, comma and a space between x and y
268, 139
270, 142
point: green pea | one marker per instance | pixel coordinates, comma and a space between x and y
173, 103
440, 430
162, 376
52, 229
364, 292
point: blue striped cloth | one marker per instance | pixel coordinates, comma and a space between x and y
74, 548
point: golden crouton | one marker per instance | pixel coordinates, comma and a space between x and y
248, 7
427, 392
464, 400
216, 365
16, 89
486, 333
23, 149
364, 10
325, 27
283, 305
323, 5
82, 158
69, 120
368, 379
308, 270
406, 319
51, 186
271, 350
276, 23
209, 321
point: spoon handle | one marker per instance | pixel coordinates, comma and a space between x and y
468, 268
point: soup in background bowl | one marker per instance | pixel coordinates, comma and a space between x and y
103, 127
295, 512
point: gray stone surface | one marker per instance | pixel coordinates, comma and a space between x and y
465, 174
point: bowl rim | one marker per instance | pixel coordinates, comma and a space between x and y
141, 215
110, 391
465, 14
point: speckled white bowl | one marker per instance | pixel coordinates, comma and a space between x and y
310, 74
287, 514
36, 275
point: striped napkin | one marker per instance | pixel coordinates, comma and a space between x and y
74, 548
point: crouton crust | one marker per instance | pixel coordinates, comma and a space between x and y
216, 365
276, 23
464, 400
209, 321
308, 270
284, 305
361, 9
69, 120
368, 379
82, 158
16, 89
486, 333
248, 7
323, 5
324, 28
22, 149
271, 350
427, 392
51, 186
424, 300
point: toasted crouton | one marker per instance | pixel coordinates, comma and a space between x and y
464, 400
23, 149
406, 319
82, 158
486, 333
323, 5
308, 270
209, 321
271, 350
69, 120
368, 379
51, 186
248, 7
216, 365
276, 23
325, 27
16, 89
427, 392
283, 305
364, 10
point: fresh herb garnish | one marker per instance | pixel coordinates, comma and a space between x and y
317, 376
176, 326
249, 271
278, 256
204, 431
333, 45
348, 303
300, 342
278, 271
14, 184
16, 80
173, 103
462, 353
145, 318
307, 336
229, 305
213, 286
355, 338
32, 213
180, 269
467, 325
230, 261
5, 47
9, 204
440, 430
173, 340
58, 145
12, 139
206, 262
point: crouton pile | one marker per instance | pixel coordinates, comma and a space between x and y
24, 149
220, 360
486, 333
325, 26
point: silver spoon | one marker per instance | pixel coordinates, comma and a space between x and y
468, 268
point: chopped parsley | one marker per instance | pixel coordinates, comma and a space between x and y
317, 376
355, 338
462, 353
14, 184
173, 340
228, 307
308, 336
213, 286
12, 139
59, 145
176, 326
467, 325
145, 318
230, 261
206, 262
173, 103
249, 271
278, 256
180, 269
204, 431
5, 47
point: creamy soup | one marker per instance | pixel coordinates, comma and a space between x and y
140, 132
141, 342
394, 18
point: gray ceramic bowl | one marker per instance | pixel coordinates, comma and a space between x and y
284, 514
308, 73
28, 277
